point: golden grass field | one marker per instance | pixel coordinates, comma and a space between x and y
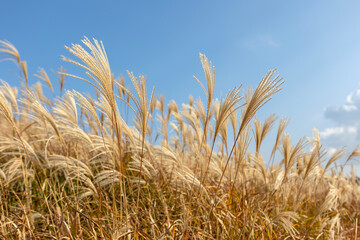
72, 168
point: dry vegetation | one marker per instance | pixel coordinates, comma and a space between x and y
73, 168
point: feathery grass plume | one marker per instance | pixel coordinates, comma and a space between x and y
89, 106
9, 49
335, 227
164, 120
226, 107
62, 75
75, 134
65, 109
234, 117
224, 137
98, 69
317, 154
75, 171
290, 153
286, 219
10, 94
107, 178
282, 125
330, 203
201, 114
209, 71
121, 87
338, 154
19, 147
34, 103
142, 161
23, 67
44, 76
262, 95
142, 111
241, 150
355, 154
15, 170
105, 110
224, 111
40, 94
261, 132
6, 110
96, 65
259, 165
179, 128
191, 101
190, 118
312, 162
142, 114
160, 104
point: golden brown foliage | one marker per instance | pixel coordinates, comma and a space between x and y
73, 168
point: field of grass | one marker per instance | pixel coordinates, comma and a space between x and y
73, 168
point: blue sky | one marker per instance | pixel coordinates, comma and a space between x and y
315, 45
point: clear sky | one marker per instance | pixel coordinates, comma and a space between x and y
315, 45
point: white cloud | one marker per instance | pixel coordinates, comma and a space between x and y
346, 133
354, 97
347, 119
339, 136
350, 108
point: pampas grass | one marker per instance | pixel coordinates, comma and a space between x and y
71, 167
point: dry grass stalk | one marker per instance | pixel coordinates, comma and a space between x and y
43, 76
